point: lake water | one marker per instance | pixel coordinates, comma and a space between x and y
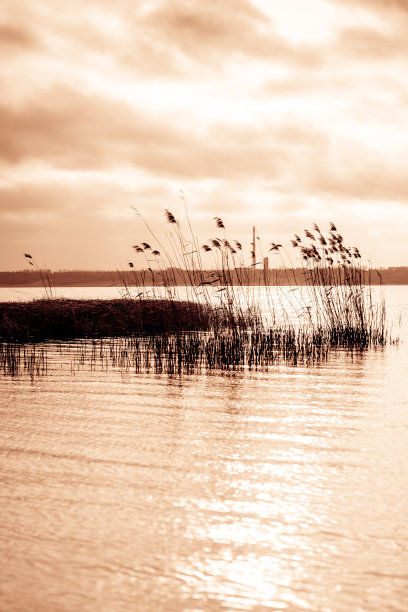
284, 489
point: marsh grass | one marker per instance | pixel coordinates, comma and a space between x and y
61, 319
222, 324
332, 296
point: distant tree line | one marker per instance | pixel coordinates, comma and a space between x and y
178, 276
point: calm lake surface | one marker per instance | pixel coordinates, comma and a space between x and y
284, 489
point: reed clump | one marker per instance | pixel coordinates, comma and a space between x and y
330, 292
60, 319
232, 315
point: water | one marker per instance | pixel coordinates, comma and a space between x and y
283, 489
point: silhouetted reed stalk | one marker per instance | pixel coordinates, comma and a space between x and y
44, 276
337, 287
333, 296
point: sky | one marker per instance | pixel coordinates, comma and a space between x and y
265, 113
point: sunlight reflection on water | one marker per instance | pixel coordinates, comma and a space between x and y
281, 490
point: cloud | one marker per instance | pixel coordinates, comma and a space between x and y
369, 44
376, 5
67, 129
225, 99
362, 44
71, 129
14, 38
92, 36
200, 28
156, 39
346, 170
80, 132
369, 183
213, 32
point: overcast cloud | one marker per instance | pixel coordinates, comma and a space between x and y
267, 113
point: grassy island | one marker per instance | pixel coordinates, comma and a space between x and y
63, 319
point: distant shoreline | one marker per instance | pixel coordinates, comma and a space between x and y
145, 278
147, 285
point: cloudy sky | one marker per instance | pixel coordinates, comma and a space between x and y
270, 113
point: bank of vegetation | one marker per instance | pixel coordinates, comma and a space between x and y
218, 321
61, 319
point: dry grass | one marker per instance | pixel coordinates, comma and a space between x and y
41, 320
221, 325
334, 296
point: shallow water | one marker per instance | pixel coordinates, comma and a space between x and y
283, 489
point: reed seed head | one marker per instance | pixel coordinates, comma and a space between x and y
170, 217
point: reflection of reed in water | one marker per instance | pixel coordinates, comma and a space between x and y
186, 352
204, 352
16, 359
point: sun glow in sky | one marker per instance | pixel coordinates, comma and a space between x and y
266, 113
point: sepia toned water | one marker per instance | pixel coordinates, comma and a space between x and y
284, 489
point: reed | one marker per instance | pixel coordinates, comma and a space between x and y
333, 295
222, 323
339, 289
